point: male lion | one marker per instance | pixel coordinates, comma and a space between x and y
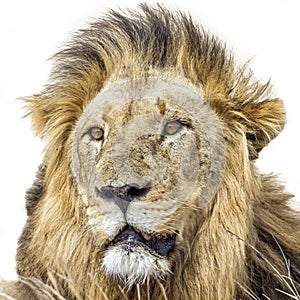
148, 188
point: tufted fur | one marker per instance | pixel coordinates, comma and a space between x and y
246, 242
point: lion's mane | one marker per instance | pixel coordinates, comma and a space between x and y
248, 244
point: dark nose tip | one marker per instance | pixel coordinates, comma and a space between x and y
127, 192
123, 195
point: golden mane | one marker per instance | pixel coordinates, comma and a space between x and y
248, 244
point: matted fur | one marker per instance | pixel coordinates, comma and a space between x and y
247, 244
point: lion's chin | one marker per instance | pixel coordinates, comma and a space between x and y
132, 263
134, 256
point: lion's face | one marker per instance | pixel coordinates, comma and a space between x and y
146, 154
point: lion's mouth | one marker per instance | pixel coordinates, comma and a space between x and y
131, 237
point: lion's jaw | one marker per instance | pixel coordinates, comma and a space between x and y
150, 166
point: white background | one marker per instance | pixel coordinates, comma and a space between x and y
267, 31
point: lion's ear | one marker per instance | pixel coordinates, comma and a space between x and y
39, 110
52, 116
265, 120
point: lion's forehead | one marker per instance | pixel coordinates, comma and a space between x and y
116, 98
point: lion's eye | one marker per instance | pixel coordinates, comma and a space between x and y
96, 133
172, 127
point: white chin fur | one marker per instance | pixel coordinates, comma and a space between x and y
133, 264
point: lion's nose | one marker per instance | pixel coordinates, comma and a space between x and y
123, 195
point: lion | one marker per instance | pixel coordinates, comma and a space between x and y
148, 188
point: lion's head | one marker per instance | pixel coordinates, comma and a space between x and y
147, 152
149, 185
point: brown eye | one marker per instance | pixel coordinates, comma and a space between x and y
96, 133
172, 127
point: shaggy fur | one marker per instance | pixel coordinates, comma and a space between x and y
246, 242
